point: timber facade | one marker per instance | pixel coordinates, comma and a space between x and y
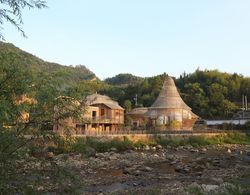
102, 115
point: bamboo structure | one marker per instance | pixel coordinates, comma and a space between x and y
169, 111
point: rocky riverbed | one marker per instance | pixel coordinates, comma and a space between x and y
151, 170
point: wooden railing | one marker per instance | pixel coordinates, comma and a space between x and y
102, 120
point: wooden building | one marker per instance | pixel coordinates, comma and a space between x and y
169, 111
102, 115
137, 118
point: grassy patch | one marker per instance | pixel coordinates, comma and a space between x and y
230, 138
79, 145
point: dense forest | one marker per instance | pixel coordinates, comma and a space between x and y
210, 93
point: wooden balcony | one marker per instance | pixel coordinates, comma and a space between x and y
102, 120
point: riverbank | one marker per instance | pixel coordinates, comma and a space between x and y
180, 170
166, 165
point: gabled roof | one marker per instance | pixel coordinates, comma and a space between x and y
102, 99
113, 106
169, 97
141, 110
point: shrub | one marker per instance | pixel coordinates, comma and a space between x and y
79, 145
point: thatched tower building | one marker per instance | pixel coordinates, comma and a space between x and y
169, 111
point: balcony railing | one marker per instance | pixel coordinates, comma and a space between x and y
105, 120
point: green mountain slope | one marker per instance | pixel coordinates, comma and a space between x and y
11, 55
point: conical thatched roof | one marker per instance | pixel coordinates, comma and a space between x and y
169, 97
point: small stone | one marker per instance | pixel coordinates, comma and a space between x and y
137, 172
61, 157
112, 157
203, 149
194, 150
113, 149
173, 162
148, 169
100, 155
78, 156
248, 153
49, 155
217, 180
159, 147
194, 184
229, 151
40, 188
146, 147
153, 148
182, 169
145, 168
209, 188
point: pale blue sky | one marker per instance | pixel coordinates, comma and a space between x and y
142, 37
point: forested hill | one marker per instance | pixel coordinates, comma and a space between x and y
11, 55
124, 79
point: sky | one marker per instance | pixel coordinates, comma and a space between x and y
141, 37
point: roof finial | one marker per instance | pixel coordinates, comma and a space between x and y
165, 75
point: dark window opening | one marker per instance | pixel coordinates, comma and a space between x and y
102, 112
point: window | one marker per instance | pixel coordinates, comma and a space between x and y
93, 113
102, 112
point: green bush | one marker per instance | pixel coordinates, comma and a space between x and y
79, 145
198, 141
104, 146
169, 141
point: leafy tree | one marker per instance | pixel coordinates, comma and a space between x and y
195, 97
127, 105
84, 88
11, 12
25, 94
123, 79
